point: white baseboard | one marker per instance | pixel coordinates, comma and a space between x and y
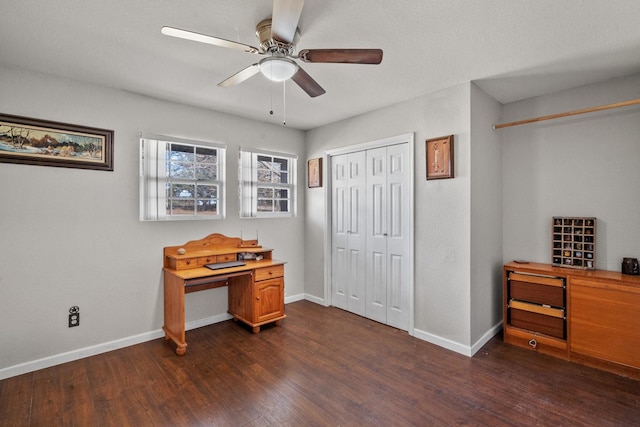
442, 342
315, 299
81, 353
456, 346
293, 298
486, 337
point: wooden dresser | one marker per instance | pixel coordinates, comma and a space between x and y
255, 281
587, 316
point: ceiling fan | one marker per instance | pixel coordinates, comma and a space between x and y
278, 37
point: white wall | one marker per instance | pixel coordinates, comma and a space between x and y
443, 209
72, 237
486, 217
587, 165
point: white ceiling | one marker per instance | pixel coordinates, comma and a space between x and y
512, 49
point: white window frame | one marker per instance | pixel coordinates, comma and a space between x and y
154, 177
249, 184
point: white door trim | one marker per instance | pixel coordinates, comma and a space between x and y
326, 164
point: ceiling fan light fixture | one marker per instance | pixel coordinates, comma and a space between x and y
278, 69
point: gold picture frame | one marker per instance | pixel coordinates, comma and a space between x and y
314, 173
439, 154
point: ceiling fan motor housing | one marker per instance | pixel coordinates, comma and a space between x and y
270, 44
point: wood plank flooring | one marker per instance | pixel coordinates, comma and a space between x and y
323, 367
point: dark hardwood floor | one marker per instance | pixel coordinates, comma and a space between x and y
323, 367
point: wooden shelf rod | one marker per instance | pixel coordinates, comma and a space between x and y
567, 114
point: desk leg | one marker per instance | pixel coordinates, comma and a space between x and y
174, 312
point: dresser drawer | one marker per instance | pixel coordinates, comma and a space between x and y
269, 272
545, 320
534, 292
537, 289
534, 341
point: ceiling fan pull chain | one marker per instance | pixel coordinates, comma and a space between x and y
284, 103
271, 100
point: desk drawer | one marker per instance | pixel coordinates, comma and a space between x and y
214, 259
226, 258
204, 260
269, 272
186, 263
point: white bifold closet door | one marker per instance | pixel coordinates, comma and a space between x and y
348, 233
371, 248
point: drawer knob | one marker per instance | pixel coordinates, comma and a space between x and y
533, 343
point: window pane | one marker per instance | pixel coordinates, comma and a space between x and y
283, 178
280, 164
181, 170
265, 193
181, 153
206, 155
207, 172
264, 162
207, 207
207, 191
264, 176
265, 205
183, 190
282, 206
182, 207
281, 193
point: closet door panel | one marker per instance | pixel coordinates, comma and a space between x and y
357, 233
376, 250
398, 241
348, 232
340, 238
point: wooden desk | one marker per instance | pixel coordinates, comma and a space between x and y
256, 289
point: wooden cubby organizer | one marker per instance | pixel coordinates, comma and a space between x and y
574, 242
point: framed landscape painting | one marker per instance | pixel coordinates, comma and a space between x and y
45, 143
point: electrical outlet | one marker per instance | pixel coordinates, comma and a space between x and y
74, 316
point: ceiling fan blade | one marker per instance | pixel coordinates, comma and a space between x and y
203, 38
284, 21
241, 76
307, 83
343, 56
